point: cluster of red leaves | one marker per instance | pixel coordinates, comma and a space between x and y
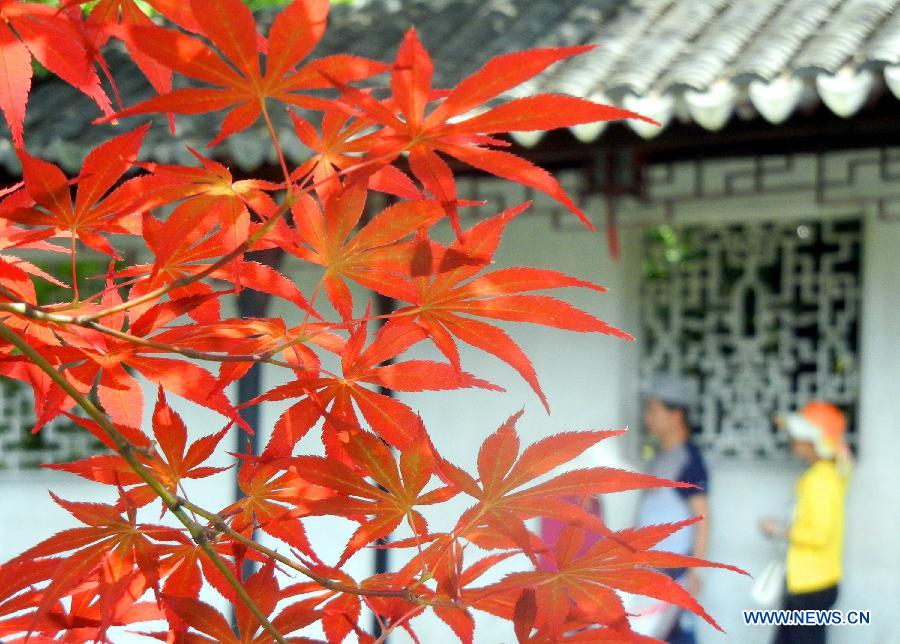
163, 319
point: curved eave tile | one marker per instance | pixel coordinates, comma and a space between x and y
892, 79
712, 109
776, 100
680, 24
659, 107
616, 38
845, 92
527, 139
699, 61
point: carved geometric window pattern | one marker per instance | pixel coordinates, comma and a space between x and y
760, 318
59, 441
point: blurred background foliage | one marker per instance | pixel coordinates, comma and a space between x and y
667, 250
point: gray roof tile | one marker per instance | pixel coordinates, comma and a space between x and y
841, 38
717, 48
668, 38
772, 50
646, 48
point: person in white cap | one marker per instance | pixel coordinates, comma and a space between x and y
815, 536
667, 405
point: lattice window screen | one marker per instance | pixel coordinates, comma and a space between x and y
59, 441
760, 317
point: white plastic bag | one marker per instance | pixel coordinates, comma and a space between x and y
648, 616
769, 586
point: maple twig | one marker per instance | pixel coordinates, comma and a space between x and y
301, 336
223, 261
126, 450
96, 296
27, 310
180, 486
400, 621
378, 619
31, 311
328, 326
74, 270
219, 524
192, 353
277, 145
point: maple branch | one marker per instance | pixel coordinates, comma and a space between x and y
302, 337
27, 310
35, 312
219, 524
379, 622
263, 357
127, 451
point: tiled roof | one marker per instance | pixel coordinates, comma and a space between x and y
692, 60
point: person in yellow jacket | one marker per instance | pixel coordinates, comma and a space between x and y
815, 536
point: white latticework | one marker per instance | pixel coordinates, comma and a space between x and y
761, 317
60, 440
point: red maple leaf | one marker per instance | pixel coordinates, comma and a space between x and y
114, 17
194, 254
275, 496
335, 150
423, 135
239, 82
98, 208
209, 199
380, 507
108, 548
333, 396
103, 357
86, 616
443, 305
176, 461
580, 586
57, 41
263, 589
377, 255
503, 501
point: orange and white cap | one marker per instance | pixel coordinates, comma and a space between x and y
822, 424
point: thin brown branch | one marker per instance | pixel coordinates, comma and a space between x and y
27, 310
275, 142
74, 269
398, 622
220, 524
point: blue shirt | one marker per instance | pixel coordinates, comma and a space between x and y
669, 505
